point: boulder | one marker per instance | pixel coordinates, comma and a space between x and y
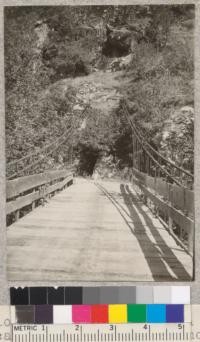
78, 107
115, 64
125, 61
120, 63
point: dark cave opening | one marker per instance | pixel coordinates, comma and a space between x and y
87, 161
115, 50
117, 43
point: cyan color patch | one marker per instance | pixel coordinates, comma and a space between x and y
156, 313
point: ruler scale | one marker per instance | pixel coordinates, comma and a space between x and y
103, 333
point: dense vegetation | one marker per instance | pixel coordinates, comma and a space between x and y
45, 45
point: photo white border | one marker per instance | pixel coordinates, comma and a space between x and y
4, 285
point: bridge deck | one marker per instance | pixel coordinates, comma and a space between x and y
84, 234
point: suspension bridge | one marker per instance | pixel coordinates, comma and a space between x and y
67, 228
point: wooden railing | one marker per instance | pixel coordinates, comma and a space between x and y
26, 192
172, 204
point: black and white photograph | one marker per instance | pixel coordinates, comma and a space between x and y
99, 122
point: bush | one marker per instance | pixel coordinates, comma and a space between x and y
66, 60
162, 83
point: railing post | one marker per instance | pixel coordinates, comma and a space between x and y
150, 166
71, 154
158, 168
17, 215
42, 194
191, 240
33, 204
136, 162
133, 144
16, 169
170, 224
147, 164
139, 157
142, 161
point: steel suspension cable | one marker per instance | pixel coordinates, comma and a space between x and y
144, 143
45, 147
30, 155
56, 145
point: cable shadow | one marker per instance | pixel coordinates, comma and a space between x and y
138, 226
159, 269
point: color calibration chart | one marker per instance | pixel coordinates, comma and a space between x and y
111, 305
98, 314
101, 313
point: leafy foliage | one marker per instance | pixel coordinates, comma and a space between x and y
161, 74
44, 45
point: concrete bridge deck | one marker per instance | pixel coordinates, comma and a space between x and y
92, 232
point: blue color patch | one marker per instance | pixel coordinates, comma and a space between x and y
156, 313
175, 313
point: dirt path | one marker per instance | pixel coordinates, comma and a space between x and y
100, 89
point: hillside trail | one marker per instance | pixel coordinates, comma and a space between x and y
101, 89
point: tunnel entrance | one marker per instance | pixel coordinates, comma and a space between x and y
87, 161
117, 43
111, 49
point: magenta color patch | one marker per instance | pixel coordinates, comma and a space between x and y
81, 314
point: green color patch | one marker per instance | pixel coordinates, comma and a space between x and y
136, 313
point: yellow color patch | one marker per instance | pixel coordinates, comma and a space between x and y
117, 313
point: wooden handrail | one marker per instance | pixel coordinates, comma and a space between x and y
172, 201
22, 184
25, 191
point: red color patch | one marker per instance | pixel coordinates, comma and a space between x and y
99, 313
